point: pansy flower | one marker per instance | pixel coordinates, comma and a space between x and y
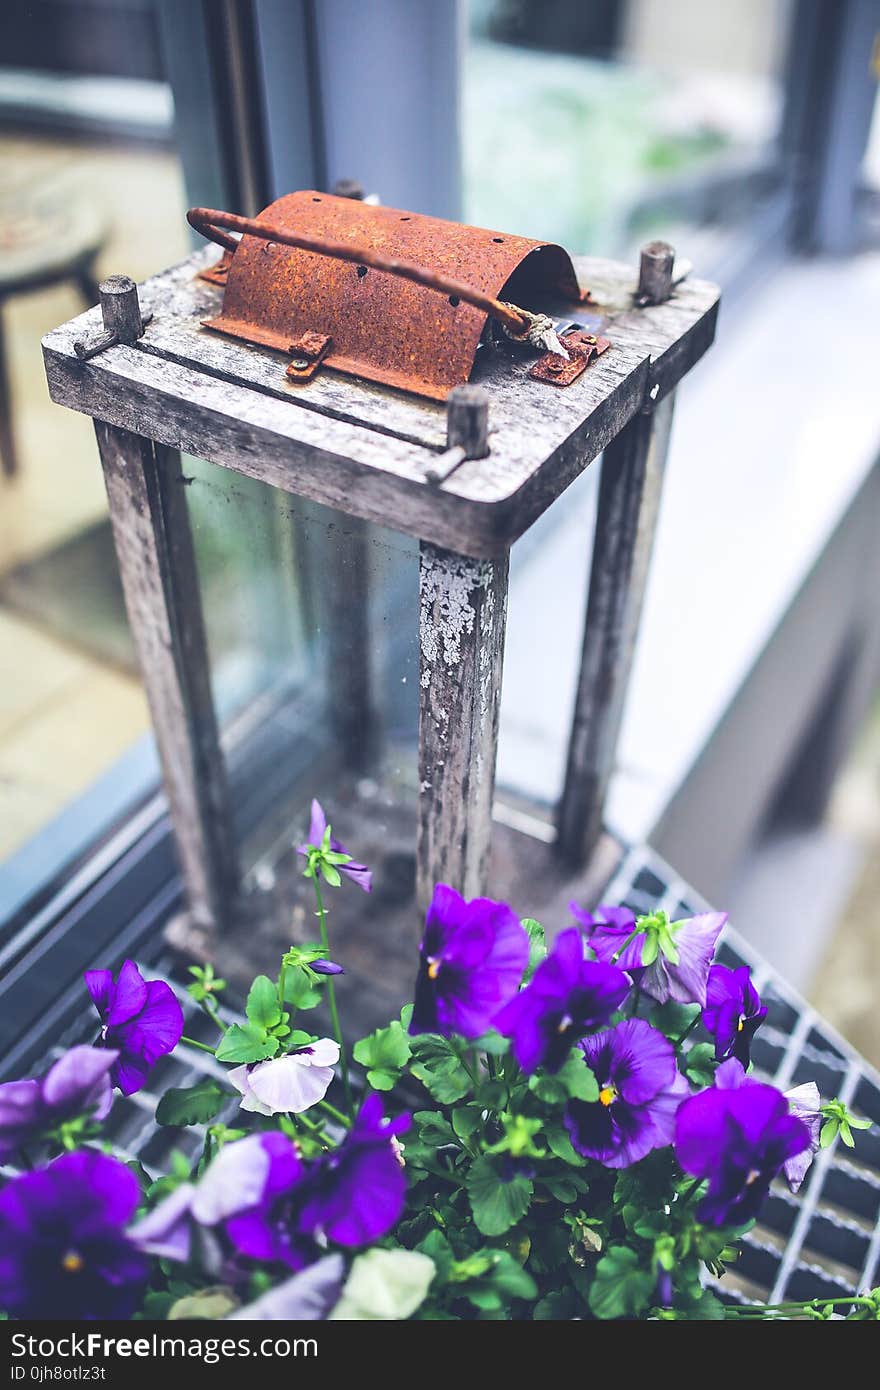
356, 1192
667, 960
290, 1084
739, 1138
358, 873
63, 1251
249, 1177
78, 1084
804, 1101
566, 997
473, 955
640, 1090
733, 1012
141, 1019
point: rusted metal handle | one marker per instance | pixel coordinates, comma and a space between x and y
210, 223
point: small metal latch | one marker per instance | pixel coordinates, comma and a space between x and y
309, 351
582, 349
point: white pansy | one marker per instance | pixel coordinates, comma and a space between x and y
290, 1084
385, 1285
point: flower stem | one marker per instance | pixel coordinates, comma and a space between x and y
194, 1042
687, 1032
331, 999
334, 1113
689, 1191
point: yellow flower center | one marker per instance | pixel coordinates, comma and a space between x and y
607, 1095
739, 1026
433, 969
72, 1262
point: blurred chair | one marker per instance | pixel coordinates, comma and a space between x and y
50, 231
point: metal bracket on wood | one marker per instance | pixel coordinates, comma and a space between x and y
121, 312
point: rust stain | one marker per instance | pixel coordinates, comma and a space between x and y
403, 297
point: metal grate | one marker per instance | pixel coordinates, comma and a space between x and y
823, 1243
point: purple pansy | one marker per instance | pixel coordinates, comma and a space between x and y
78, 1084
739, 1137
141, 1019
247, 1177
566, 997
358, 873
63, 1252
640, 1090
473, 955
356, 1193
290, 1084
733, 1012
612, 934
804, 1101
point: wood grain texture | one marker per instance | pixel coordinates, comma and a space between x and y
154, 549
365, 449
626, 518
462, 619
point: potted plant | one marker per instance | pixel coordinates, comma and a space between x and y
571, 1149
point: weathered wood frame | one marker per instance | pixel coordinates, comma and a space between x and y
172, 387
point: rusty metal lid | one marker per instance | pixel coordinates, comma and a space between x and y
383, 325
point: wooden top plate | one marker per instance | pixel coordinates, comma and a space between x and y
364, 448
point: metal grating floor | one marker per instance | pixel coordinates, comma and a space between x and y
823, 1243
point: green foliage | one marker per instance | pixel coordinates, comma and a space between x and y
537, 945
192, 1105
384, 1054
838, 1120
439, 1067
246, 1044
699, 1064
497, 1200
262, 1007
621, 1287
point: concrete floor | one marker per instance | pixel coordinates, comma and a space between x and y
846, 985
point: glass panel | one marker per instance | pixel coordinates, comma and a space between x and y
90, 185
600, 125
312, 621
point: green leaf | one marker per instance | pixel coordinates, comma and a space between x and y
560, 1144
578, 1080
386, 1051
330, 874
537, 946
700, 1064
191, 1105
705, 1308
562, 1189
245, 1044
434, 1129
509, 1278
846, 1135
262, 1006
672, 1018
828, 1133
496, 1205
559, 1306
493, 1044
651, 948
301, 989
439, 1068
467, 1121
620, 1288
